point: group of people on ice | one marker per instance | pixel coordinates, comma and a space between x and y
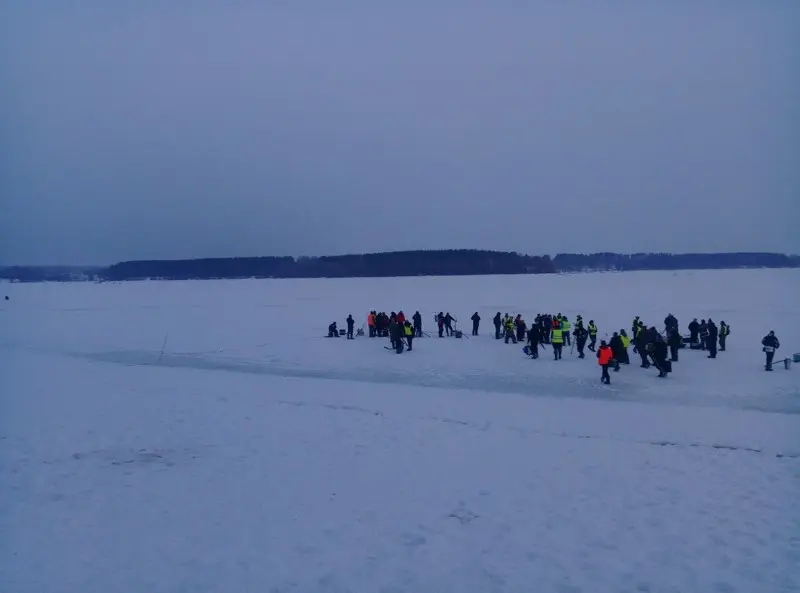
655, 348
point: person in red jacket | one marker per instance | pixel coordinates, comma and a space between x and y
604, 357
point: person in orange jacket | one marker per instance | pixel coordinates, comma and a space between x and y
604, 357
371, 323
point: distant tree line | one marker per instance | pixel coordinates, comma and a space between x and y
574, 262
49, 273
399, 263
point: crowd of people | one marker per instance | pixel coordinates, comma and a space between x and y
655, 348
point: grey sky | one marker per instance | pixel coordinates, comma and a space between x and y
188, 129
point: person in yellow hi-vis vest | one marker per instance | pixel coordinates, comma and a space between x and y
408, 329
626, 342
566, 327
557, 340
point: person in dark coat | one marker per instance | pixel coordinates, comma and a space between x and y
440, 324
711, 340
660, 356
694, 331
670, 322
333, 331
498, 324
581, 335
724, 332
476, 322
350, 325
641, 348
770, 344
534, 338
703, 334
618, 349
397, 334
448, 323
674, 342
521, 328
417, 319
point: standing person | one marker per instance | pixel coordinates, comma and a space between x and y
350, 325
660, 354
581, 335
417, 318
557, 339
521, 328
476, 322
626, 342
703, 334
440, 324
770, 344
397, 333
617, 349
371, 323
724, 332
510, 334
641, 343
534, 337
409, 331
674, 342
401, 318
592, 335
448, 323
694, 331
566, 327
393, 333
711, 341
604, 356
497, 323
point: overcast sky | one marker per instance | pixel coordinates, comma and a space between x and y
133, 130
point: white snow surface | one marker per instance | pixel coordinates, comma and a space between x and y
253, 455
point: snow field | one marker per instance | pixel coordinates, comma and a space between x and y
258, 456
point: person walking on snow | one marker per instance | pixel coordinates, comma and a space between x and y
770, 344
592, 335
617, 349
604, 357
581, 335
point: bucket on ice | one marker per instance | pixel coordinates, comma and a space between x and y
787, 363
796, 357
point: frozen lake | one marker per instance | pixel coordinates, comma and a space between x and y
254, 455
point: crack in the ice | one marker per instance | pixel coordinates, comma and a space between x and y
487, 425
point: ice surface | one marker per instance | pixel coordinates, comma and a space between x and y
255, 455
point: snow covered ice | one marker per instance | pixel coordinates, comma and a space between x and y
253, 455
